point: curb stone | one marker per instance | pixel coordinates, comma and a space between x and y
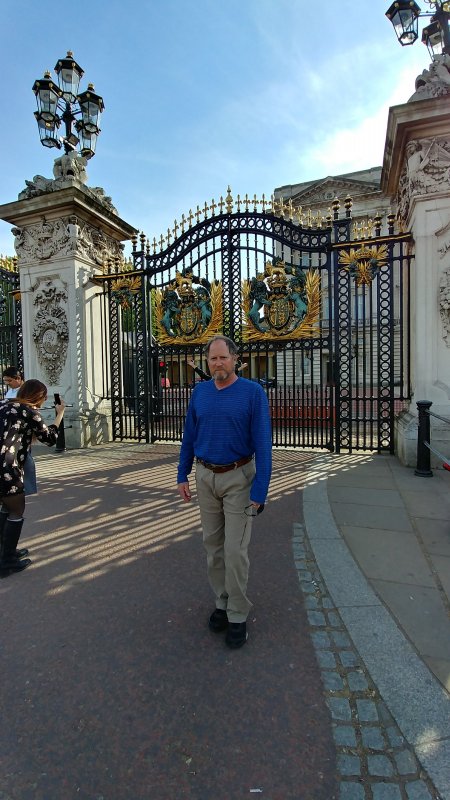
374, 761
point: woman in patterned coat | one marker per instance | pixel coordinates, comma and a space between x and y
20, 421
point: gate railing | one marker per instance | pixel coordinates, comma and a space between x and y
337, 383
424, 447
11, 347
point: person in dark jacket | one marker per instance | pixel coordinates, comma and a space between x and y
20, 421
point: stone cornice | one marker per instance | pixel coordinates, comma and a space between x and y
72, 200
415, 120
338, 187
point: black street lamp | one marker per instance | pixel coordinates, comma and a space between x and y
64, 98
404, 15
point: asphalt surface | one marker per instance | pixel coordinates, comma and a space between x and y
114, 688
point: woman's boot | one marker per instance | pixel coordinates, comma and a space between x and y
10, 537
21, 553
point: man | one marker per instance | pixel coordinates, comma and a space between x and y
227, 431
13, 379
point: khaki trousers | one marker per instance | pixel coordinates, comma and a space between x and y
222, 498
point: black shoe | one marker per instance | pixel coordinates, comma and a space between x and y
236, 634
8, 567
218, 620
22, 552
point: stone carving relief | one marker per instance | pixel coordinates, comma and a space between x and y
426, 171
326, 192
443, 249
65, 236
444, 305
50, 329
434, 81
68, 170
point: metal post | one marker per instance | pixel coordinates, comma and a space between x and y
60, 445
423, 452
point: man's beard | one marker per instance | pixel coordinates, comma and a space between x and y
224, 375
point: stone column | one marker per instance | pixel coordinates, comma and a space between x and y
416, 174
65, 234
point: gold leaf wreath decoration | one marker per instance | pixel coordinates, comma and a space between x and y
123, 290
362, 263
307, 329
215, 326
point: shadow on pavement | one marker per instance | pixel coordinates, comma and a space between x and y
113, 687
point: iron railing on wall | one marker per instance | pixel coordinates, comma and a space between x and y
424, 447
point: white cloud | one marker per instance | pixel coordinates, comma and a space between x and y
357, 146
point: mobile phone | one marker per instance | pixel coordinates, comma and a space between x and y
57, 399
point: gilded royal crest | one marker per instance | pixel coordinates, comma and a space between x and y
188, 310
123, 290
365, 263
281, 303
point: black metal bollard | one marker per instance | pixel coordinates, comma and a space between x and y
423, 452
61, 440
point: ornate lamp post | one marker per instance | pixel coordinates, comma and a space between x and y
64, 98
404, 15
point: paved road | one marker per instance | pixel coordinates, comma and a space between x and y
113, 687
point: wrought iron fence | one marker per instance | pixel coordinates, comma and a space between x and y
11, 348
424, 447
335, 379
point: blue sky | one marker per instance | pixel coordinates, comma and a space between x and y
200, 94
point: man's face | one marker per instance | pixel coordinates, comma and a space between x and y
12, 383
220, 362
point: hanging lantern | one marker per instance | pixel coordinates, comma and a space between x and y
404, 15
69, 75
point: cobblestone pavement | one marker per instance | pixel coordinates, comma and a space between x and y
374, 761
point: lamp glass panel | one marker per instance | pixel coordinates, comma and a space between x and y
47, 103
405, 24
433, 37
90, 112
48, 131
48, 136
88, 144
70, 81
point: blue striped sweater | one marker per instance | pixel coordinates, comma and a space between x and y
224, 425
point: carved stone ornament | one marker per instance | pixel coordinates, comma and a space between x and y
434, 81
444, 305
50, 329
65, 237
325, 192
426, 171
68, 170
443, 249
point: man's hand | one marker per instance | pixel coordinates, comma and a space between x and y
256, 505
184, 491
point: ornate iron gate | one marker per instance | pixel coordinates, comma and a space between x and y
11, 348
321, 317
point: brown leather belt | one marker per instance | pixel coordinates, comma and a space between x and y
225, 467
